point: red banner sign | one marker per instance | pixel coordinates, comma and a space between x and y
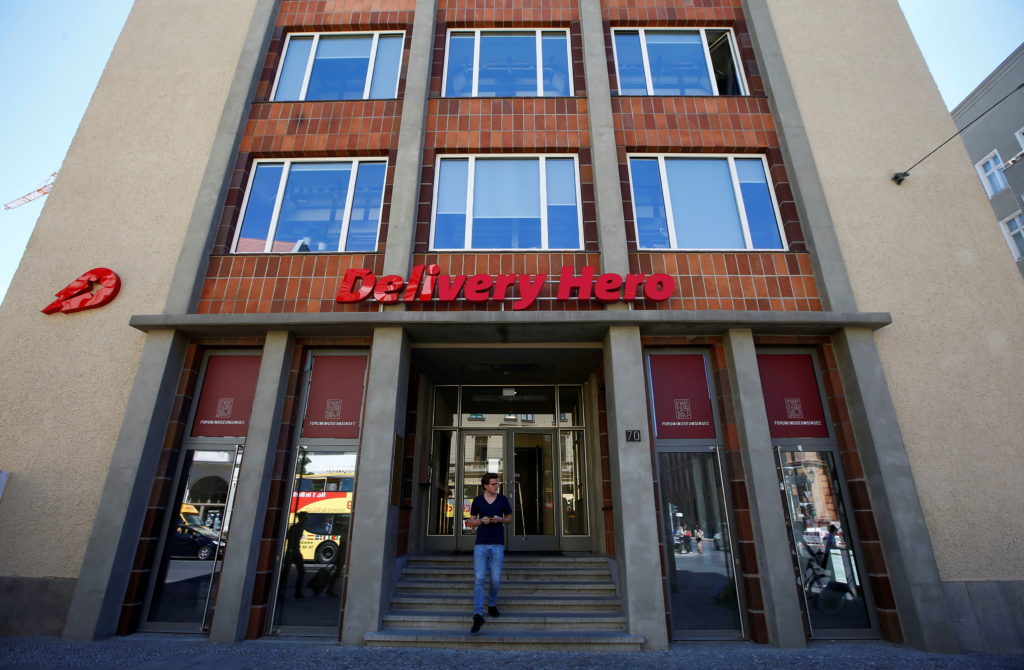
426, 283
225, 401
682, 398
791, 395
335, 402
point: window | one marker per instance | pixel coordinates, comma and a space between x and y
351, 66
700, 61
302, 206
704, 202
507, 64
991, 175
509, 202
1013, 228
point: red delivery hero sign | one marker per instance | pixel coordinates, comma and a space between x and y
335, 397
427, 282
791, 395
225, 401
682, 401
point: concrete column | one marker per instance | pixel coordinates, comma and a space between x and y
632, 475
811, 203
899, 518
106, 568
611, 224
774, 558
234, 594
374, 520
406, 191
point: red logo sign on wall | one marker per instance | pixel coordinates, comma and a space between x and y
94, 288
682, 399
791, 395
427, 283
335, 397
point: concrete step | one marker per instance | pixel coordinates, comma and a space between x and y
509, 621
520, 641
511, 560
509, 587
510, 602
545, 573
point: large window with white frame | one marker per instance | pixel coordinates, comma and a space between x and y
991, 174
690, 61
704, 201
297, 206
507, 202
339, 66
507, 64
1013, 229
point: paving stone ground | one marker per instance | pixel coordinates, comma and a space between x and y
171, 652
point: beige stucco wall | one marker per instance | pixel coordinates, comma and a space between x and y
929, 253
123, 200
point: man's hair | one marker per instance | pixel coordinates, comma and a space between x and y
487, 477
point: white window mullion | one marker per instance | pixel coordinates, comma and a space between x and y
543, 186
670, 217
737, 195
309, 66
286, 169
707, 61
470, 180
647, 63
476, 63
737, 64
349, 196
370, 66
538, 50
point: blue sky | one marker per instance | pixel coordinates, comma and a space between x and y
53, 52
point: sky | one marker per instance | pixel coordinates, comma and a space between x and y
53, 52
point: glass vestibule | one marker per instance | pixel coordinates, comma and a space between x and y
829, 576
193, 546
702, 589
533, 438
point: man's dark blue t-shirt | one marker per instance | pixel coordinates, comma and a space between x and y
491, 533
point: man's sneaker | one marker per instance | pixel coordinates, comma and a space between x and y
478, 622
493, 611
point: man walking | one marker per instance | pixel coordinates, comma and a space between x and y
488, 515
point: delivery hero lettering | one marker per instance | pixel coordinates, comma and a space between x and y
426, 283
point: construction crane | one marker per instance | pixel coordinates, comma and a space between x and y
38, 193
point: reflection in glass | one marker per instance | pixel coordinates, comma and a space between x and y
506, 204
195, 541
259, 208
827, 567
508, 65
702, 581
508, 406
572, 466
482, 453
340, 67
443, 463
314, 545
703, 203
677, 63
293, 72
570, 406
313, 207
535, 506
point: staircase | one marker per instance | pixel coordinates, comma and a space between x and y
556, 603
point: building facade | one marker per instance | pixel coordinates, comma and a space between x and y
995, 143
642, 260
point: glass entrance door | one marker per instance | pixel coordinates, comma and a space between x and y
533, 439
194, 542
481, 452
828, 574
703, 593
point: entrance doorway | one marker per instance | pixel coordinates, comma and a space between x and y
533, 438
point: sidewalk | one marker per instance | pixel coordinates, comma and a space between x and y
172, 652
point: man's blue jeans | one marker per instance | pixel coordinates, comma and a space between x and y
486, 556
